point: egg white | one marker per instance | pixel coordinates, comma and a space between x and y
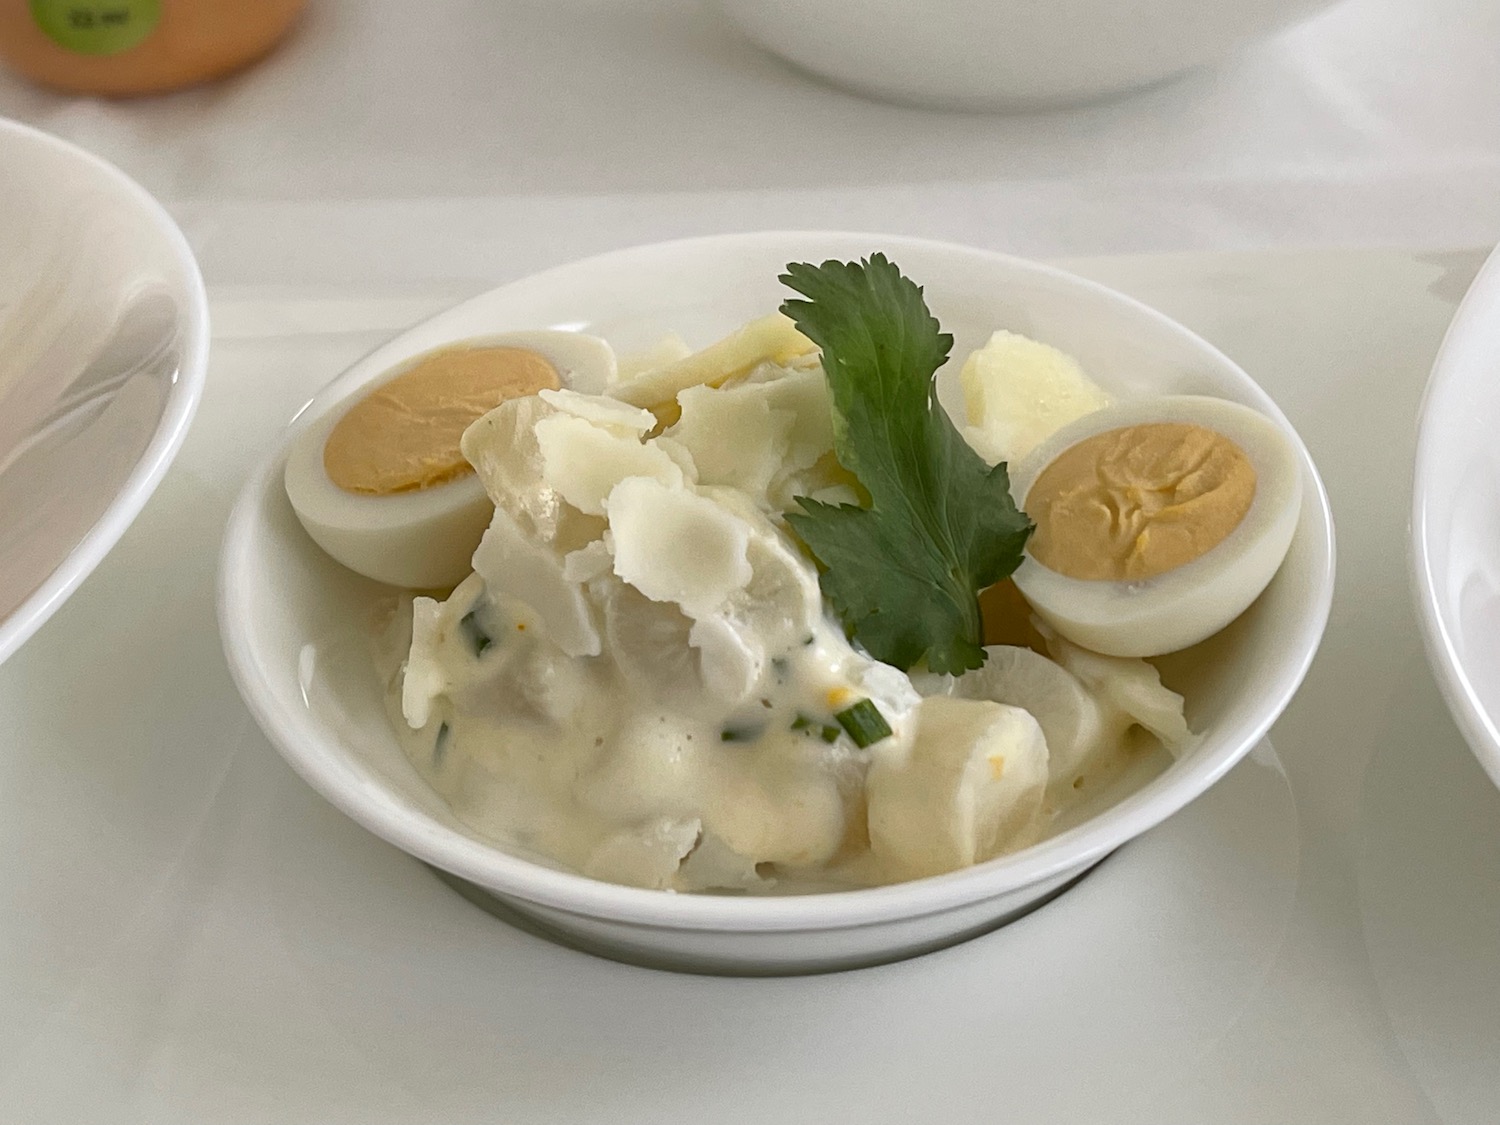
1191, 602
423, 539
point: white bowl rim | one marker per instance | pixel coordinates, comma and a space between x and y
171, 429
1479, 728
295, 733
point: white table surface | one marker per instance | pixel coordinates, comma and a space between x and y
213, 945
190, 936
401, 140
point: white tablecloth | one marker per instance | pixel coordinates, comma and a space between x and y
190, 936
473, 140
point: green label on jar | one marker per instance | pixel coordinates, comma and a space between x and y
96, 27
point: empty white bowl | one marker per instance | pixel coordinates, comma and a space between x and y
103, 346
1455, 517
1006, 54
294, 621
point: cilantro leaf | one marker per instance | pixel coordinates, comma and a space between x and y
904, 574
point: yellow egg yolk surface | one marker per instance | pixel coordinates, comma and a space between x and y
1134, 503
404, 435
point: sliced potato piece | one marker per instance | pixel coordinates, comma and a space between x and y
646, 855
601, 410
514, 563
676, 546
425, 679
588, 562
669, 349
780, 604
649, 642
1072, 720
772, 802
502, 447
730, 662
773, 339
804, 392
969, 787
1131, 686
1018, 392
584, 461
714, 866
432, 666
735, 437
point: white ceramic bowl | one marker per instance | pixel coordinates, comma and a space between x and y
1006, 54
103, 345
1455, 517
293, 620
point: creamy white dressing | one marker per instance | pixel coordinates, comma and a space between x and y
563, 754
640, 681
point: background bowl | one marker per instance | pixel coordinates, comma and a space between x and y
1455, 517
295, 623
1006, 54
103, 345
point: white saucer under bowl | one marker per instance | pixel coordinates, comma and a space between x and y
103, 347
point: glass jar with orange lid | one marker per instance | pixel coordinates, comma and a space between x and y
125, 47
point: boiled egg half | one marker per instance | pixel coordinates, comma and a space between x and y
1158, 521
379, 481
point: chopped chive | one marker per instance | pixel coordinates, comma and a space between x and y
474, 632
440, 744
823, 730
864, 722
741, 733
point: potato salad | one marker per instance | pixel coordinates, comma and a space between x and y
762, 618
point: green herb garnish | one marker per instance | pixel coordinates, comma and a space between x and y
904, 574
864, 722
741, 732
825, 731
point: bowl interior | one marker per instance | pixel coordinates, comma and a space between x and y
1456, 517
297, 624
103, 337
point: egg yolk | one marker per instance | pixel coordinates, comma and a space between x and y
403, 436
1133, 503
